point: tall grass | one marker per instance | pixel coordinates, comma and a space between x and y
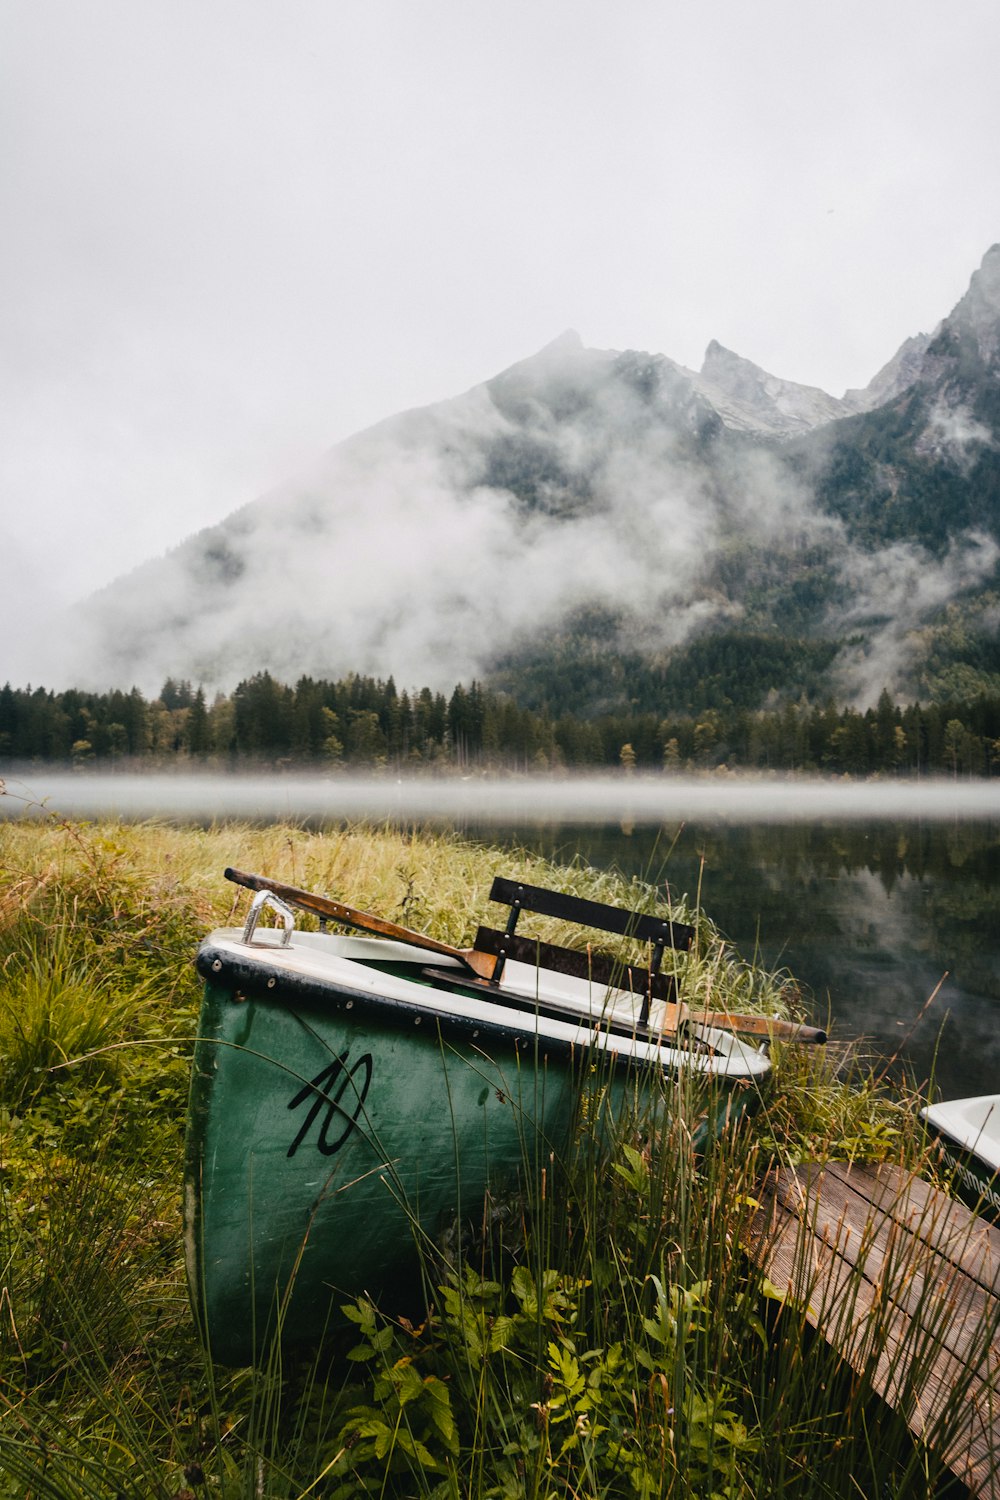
604, 1335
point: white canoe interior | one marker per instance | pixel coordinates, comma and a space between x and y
566, 1009
973, 1124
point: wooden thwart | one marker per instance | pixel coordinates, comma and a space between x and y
905, 1283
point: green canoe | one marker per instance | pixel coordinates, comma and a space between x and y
350, 1099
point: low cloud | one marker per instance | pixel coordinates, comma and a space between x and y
405, 552
895, 590
445, 538
953, 434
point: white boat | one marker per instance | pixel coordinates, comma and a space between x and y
968, 1133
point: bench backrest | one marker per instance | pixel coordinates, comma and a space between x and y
660, 932
656, 930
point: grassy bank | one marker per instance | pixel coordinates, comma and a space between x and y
617, 1342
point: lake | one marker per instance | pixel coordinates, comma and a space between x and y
872, 895
872, 917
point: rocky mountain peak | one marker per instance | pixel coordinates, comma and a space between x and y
731, 372
979, 309
929, 357
748, 398
897, 375
566, 341
984, 288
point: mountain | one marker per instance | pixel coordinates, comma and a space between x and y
591, 528
748, 399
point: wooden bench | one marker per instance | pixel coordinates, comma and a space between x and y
645, 980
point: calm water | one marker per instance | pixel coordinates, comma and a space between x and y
870, 895
871, 917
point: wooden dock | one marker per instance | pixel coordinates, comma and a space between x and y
905, 1283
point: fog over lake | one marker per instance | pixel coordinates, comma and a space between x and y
875, 896
585, 799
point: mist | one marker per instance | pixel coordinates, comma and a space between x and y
669, 802
402, 553
893, 591
441, 543
443, 539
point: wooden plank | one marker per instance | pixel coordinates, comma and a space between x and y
864, 1251
901, 1267
885, 1237
596, 967
590, 913
877, 1338
949, 1225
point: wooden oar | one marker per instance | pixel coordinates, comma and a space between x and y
744, 1025
335, 911
482, 964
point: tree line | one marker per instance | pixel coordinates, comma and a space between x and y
365, 723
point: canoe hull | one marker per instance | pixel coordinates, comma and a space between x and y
352, 1142
334, 1127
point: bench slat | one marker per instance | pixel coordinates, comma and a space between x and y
597, 967
591, 913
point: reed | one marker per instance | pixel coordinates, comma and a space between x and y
602, 1335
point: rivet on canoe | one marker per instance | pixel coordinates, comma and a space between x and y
416, 1020
349, 1005
271, 982
216, 967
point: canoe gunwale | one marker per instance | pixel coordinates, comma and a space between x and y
251, 979
530, 1029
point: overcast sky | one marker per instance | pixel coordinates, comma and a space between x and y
236, 231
